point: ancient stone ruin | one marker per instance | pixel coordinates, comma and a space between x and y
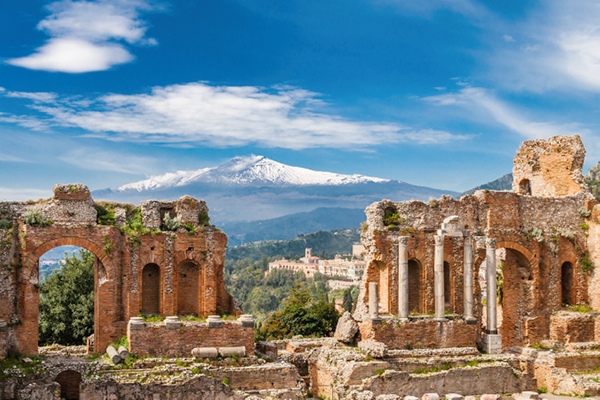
426, 259
153, 270
488, 294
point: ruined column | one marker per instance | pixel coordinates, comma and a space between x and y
490, 262
438, 276
492, 342
403, 278
468, 280
373, 302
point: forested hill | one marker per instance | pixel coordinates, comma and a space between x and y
322, 243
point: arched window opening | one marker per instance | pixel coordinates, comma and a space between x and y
151, 289
414, 286
525, 187
69, 382
566, 284
447, 288
187, 289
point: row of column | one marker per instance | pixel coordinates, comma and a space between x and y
403, 309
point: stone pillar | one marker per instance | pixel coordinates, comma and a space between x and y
403, 278
438, 276
468, 280
373, 302
492, 342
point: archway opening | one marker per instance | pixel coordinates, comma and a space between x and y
414, 286
151, 289
566, 284
447, 288
525, 187
188, 281
516, 297
69, 382
66, 295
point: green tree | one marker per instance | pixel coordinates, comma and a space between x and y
67, 301
300, 316
347, 304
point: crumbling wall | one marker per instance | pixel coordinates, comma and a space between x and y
535, 235
156, 339
550, 167
122, 249
421, 333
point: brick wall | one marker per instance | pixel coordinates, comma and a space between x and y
568, 327
420, 333
123, 288
156, 340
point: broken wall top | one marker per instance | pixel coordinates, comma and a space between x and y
72, 204
550, 167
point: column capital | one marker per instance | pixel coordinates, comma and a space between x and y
403, 240
439, 240
490, 242
468, 241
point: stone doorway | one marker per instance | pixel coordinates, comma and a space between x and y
69, 382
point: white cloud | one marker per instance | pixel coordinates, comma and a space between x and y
9, 158
226, 116
12, 194
560, 50
97, 160
83, 35
478, 100
43, 97
508, 39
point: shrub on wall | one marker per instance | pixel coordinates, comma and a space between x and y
35, 217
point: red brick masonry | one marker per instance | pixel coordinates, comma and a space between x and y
156, 340
422, 333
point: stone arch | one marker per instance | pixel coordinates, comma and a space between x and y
567, 283
151, 289
69, 382
525, 187
34, 257
29, 277
190, 281
520, 280
415, 289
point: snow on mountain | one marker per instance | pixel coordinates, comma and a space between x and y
249, 171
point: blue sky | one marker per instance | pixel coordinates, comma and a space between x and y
437, 93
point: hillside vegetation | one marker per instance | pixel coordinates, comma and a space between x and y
323, 244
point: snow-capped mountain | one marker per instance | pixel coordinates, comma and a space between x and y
252, 170
255, 188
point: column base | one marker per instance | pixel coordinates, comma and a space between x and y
492, 343
375, 321
441, 319
470, 320
403, 320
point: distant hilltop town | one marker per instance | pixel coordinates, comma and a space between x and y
351, 268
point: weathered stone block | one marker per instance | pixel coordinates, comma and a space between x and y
373, 348
492, 343
346, 329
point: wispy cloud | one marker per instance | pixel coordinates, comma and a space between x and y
98, 160
84, 35
479, 100
426, 8
11, 194
225, 116
558, 48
